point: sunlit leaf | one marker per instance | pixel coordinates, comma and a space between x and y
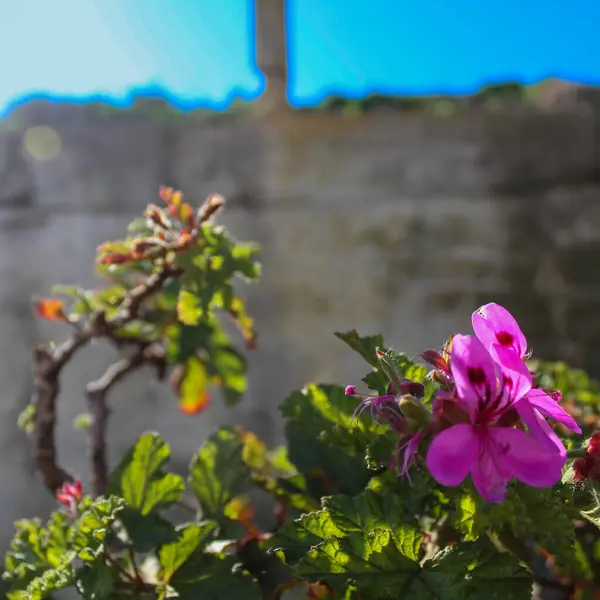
218, 472
173, 555
194, 396
189, 310
144, 483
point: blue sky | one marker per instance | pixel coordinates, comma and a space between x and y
202, 51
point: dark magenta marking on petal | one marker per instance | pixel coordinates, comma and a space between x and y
476, 375
505, 339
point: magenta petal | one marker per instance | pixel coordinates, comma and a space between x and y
409, 453
489, 476
539, 428
473, 371
514, 372
527, 459
493, 324
452, 453
549, 407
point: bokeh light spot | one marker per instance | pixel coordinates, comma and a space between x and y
42, 142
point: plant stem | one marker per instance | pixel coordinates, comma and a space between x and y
131, 555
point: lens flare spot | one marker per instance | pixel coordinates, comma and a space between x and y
42, 142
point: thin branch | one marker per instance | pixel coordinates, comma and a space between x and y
97, 392
135, 298
49, 362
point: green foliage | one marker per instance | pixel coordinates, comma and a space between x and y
335, 511
322, 443
190, 537
143, 483
168, 282
42, 559
218, 473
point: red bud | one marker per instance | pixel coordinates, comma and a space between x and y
436, 360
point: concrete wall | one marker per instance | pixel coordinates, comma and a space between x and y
387, 222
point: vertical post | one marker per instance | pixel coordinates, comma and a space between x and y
271, 54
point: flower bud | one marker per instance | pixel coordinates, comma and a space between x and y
350, 390
116, 258
411, 388
414, 411
436, 360
588, 466
156, 215
556, 396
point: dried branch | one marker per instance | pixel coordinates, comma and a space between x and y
50, 360
48, 364
97, 392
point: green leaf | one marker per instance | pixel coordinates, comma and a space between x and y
370, 511
91, 529
95, 581
144, 484
26, 420
324, 442
213, 577
401, 367
189, 310
218, 472
185, 341
465, 517
172, 556
592, 515
273, 472
296, 538
244, 258
381, 570
39, 561
146, 532
365, 346
476, 570
193, 393
344, 515
422, 495
372, 561
538, 514
229, 368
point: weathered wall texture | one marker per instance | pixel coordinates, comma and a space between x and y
386, 222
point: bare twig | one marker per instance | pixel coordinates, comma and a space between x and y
97, 392
49, 363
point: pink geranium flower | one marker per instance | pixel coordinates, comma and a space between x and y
501, 335
491, 454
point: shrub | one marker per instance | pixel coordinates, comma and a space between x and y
469, 478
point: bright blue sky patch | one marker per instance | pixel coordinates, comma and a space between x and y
202, 51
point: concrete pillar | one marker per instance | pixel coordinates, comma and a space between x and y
271, 54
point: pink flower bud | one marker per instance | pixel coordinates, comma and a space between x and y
350, 390
556, 396
436, 360
70, 493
